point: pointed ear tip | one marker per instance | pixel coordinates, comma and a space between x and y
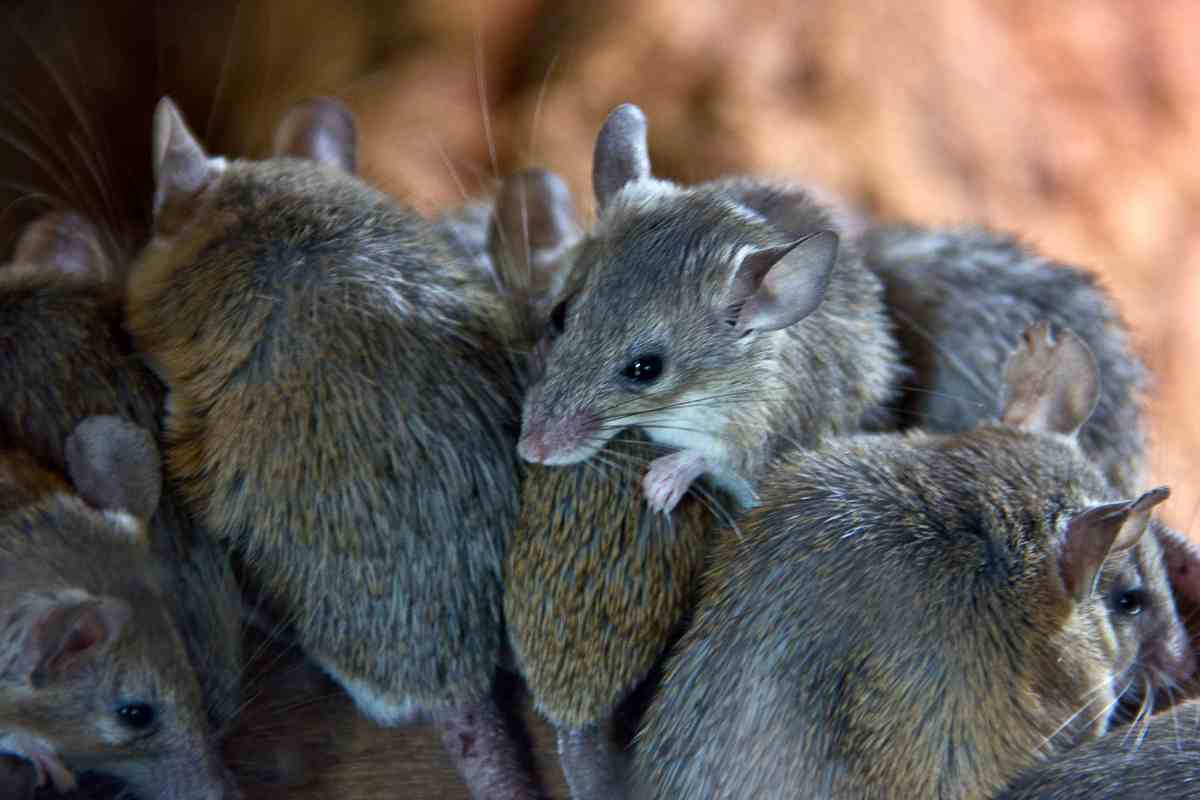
1152, 498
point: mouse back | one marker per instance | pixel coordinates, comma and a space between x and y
943, 591
596, 583
94, 674
1154, 759
340, 402
959, 298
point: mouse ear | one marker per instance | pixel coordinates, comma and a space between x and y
775, 287
59, 634
1051, 385
533, 222
115, 466
320, 129
621, 155
67, 243
1182, 558
182, 170
1092, 534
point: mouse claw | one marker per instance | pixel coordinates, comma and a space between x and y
669, 477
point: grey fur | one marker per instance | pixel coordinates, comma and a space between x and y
890, 623
655, 274
960, 297
1159, 758
343, 414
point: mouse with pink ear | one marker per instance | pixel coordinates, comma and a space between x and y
343, 413
719, 334
94, 673
909, 614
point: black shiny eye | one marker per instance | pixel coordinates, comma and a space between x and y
643, 369
136, 715
1131, 602
558, 317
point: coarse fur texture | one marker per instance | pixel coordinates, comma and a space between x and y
595, 583
960, 298
912, 588
676, 274
1156, 759
342, 412
66, 357
88, 630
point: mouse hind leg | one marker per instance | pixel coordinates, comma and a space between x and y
591, 762
484, 752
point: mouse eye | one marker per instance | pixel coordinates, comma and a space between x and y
136, 715
1130, 603
558, 317
643, 369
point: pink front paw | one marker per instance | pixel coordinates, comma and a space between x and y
669, 477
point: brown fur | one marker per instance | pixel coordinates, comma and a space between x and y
907, 616
595, 583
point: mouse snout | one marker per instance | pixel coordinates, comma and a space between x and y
564, 441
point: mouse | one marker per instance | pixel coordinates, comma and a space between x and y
94, 671
342, 413
944, 591
701, 323
960, 297
595, 583
1155, 759
67, 357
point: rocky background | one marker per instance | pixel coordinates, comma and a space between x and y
1074, 123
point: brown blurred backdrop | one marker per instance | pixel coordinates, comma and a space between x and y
1073, 123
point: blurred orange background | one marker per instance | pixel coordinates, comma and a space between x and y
1072, 123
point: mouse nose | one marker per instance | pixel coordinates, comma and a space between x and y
532, 445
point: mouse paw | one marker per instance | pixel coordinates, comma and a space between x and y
669, 477
45, 761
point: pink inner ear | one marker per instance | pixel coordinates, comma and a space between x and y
66, 635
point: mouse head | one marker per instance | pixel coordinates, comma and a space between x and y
680, 294
1104, 557
94, 675
1154, 644
61, 244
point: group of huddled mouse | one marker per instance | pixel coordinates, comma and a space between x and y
864, 501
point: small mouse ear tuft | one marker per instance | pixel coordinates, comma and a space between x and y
65, 632
779, 286
115, 466
534, 222
1051, 384
67, 243
182, 170
320, 129
621, 156
1092, 534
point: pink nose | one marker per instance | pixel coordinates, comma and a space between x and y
532, 446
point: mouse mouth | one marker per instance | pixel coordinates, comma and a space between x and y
573, 439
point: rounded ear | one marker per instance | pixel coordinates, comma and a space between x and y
182, 170
115, 466
320, 129
1050, 385
60, 633
67, 243
621, 155
534, 221
1092, 534
779, 286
